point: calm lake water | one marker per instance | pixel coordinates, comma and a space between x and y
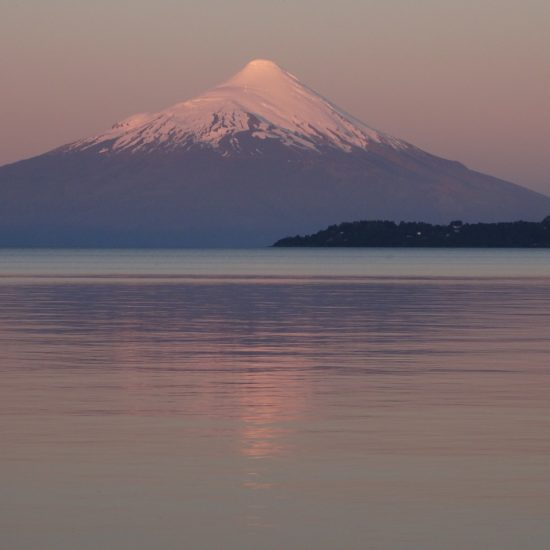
275, 399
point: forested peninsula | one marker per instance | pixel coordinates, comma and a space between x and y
457, 234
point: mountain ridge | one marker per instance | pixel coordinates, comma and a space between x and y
256, 157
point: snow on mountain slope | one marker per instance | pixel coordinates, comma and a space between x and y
262, 100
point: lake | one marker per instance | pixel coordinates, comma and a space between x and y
277, 398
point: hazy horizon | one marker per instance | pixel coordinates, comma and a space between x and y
467, 82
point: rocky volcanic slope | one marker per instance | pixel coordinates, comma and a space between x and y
254, 158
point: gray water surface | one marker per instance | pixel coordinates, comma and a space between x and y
269, 399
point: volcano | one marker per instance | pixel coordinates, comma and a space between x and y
256, 158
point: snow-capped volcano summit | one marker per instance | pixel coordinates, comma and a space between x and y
256, 158
262, 100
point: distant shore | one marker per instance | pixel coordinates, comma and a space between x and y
519, 234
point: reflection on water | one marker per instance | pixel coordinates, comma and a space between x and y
379, 410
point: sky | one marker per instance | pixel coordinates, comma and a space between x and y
467, 80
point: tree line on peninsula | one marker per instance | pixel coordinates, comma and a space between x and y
519, 234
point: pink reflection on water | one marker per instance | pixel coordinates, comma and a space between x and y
269, 401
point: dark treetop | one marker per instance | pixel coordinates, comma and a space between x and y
418, 234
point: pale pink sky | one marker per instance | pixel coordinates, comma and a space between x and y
468, 80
